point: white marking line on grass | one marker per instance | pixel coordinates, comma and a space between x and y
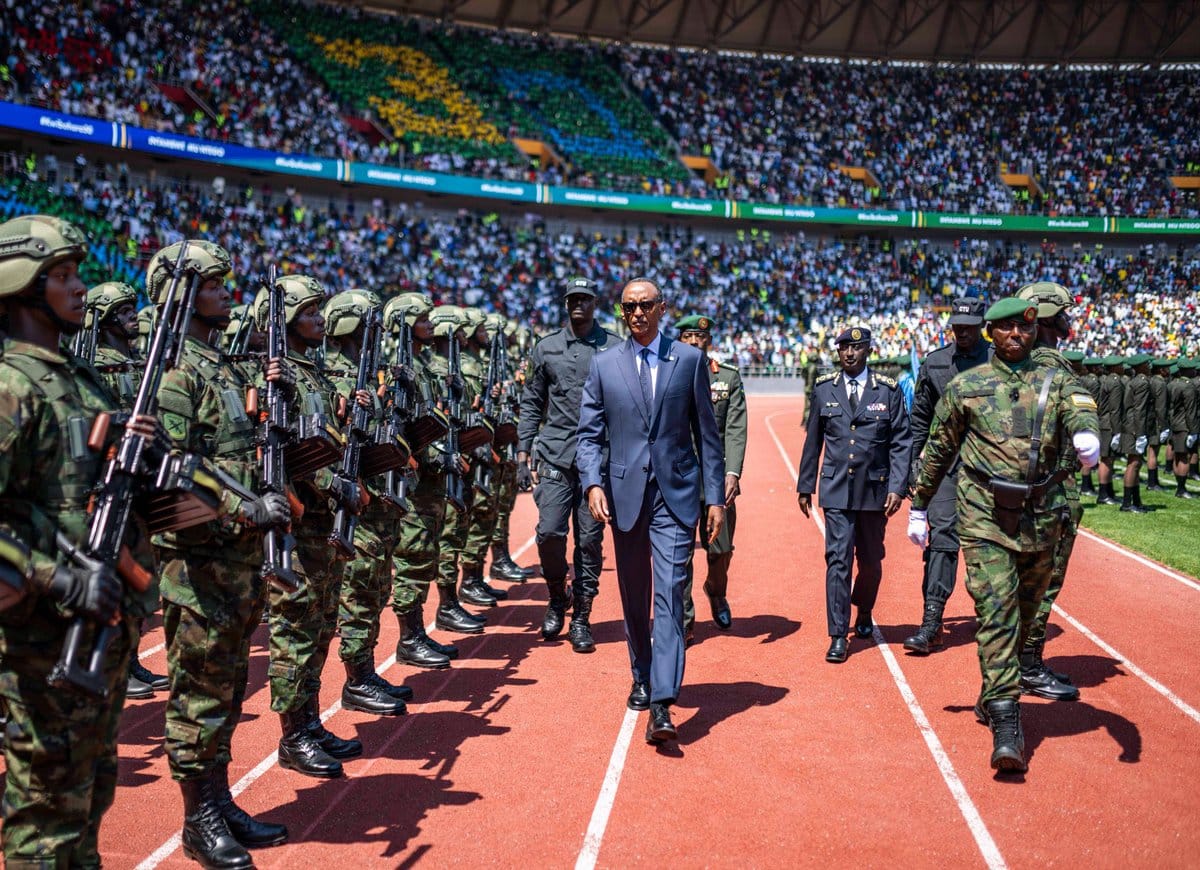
168, 848
958, 791
1141, 560
608, 794
1187, 709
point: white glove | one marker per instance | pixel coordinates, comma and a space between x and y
1164, 436
918, 525
1140, 444
1115, 444
1087, 448
1191, 441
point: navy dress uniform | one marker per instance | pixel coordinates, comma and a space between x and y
864, 430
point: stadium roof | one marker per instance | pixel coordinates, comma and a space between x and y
961, 31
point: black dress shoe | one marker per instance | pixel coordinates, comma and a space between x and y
660, 727
863, 629
837, 651
639, 697
722, 618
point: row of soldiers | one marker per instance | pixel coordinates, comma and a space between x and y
1145, 403
398, 473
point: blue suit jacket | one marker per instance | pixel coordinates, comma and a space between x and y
865, 452
678, 438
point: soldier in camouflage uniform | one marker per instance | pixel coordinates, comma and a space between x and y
417, 550
303, 622
729, 407
60, 746
503, 566
112, 307
1009, 515
212, 590
449, 323
485, 506
368, 576
1054, 303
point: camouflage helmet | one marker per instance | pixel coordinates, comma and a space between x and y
206, 259
473, 317
447, 320
1051, 298
372, 297
410, 306
346, 311
495, 322
298, 292
236, 315
260, 309
32, 244
146, 318
104, 299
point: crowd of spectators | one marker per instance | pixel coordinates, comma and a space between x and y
933, 138
778, 298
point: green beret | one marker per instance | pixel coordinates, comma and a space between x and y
694, 323
1162, 362
1095, 361
1012, 308
1073, 355
1187, 365
1138, 359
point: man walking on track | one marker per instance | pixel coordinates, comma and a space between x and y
646, 404
858, 416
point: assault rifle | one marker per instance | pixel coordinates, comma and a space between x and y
121, 480
86, 339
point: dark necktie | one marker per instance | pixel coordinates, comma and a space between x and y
644, 380
853, 396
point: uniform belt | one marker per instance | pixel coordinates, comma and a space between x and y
1037, 490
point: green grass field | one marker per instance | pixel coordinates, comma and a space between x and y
1170, 533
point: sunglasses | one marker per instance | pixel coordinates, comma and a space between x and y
645, 307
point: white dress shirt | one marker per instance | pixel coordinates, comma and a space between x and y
651, 359
861, 380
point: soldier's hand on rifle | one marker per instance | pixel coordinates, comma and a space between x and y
267, 510
279, 371
87, 587
347, 493
495, 391
364, 398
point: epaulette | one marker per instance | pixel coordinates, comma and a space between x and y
827, 377
884, 379
728, 366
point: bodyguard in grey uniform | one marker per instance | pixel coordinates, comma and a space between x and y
858, 416
550, 415
941, 553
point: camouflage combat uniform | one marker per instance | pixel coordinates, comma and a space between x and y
484, 508
979, 419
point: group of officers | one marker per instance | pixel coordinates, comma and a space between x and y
481, 426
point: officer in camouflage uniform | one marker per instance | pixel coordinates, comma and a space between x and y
1054, 303
60, 746
1183, 412
1009, 515
417, 550
729, 407
1137, 419
212, 590
449, 322
368, 576
503, 566
112, 306
303, 622
1090, 381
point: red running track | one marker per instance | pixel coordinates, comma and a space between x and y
524, 753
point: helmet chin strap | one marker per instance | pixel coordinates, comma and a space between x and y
37, 302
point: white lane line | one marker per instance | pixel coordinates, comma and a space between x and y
1141, 560
168, 848
146, 653
958, 791
1187, 709
608, 794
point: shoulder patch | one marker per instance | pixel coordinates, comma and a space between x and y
1082, 401
824, 378
884, 379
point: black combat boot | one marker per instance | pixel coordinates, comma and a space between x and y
1008, 740
300, 751
1107, 496
503, 566
400, 692
412, 648
1152, 483
206, 838
1131, 501
1036, 650
246, 829
556, 610
471, 589
362, 694
498, 594
452, 617
335, 746
138, 689
1181, 490
1087, 487
156, 682
1039, 680
929, 635
580, 632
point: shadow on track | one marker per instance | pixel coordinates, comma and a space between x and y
716, 702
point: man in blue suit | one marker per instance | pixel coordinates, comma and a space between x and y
647, 438
859, 417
